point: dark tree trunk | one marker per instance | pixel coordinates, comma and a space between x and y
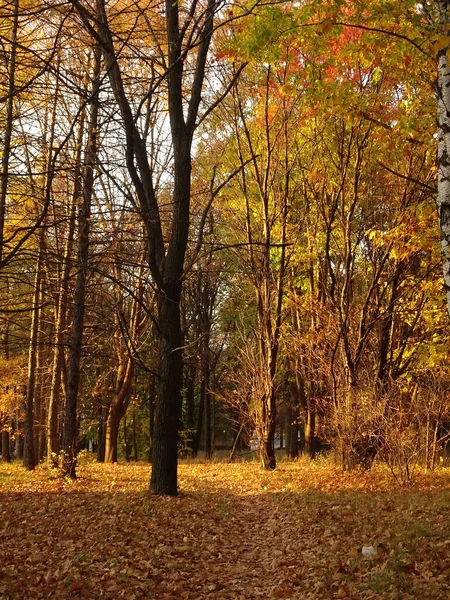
8, 125
101, 435
61, 318
125, 440
267, 449
190, 395
167, 413
198, 431
151, 417
39, 409
297, 396
18, 450
292, 436
6, 451
135, 448
207, 392
70, 434
165, 257
386, 325
310, 431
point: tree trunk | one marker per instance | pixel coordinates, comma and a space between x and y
125, 371
117, 411
207, 392
101, 436
29, 455
198, 431
235, 443
297, 399
18, 450
125, 439
168, 406
73, 368
6, 452
267, 442
190, 395
61, 317
8, 125
292, 451
111, 436
151, 417
165, 257
310, 431
292, 432
135, 448
39, 410
443, 153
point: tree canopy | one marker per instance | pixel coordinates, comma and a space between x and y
218, 231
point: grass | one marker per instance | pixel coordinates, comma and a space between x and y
234, 532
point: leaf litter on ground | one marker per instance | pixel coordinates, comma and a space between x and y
235, 532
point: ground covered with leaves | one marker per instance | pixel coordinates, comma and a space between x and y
234, 532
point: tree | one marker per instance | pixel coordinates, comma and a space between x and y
443, 121
70, 434
126, 338
263, 141
182, 53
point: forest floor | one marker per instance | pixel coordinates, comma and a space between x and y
234, 532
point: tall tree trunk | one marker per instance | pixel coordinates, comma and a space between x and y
73, 368
135, 448
39, 408
208, 421
8, 127
126, 369
151, 416
443, 153
5, 437
29, 455
61, 315
165, 257
190, 394
206, 386
168, 405
198, 430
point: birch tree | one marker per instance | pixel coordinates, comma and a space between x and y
443, 122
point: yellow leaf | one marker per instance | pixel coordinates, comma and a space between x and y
441, 42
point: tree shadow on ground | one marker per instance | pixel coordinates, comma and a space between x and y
107, 537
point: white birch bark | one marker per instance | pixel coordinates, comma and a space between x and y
443, 154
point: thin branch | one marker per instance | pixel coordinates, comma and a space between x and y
431, 189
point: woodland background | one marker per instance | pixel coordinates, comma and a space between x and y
269, 169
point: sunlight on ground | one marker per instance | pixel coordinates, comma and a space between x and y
235, 532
